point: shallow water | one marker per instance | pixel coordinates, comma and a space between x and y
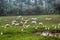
47, 33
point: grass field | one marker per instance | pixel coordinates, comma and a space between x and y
23, 27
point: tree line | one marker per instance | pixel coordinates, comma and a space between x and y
7, 9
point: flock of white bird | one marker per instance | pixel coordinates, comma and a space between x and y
15, 23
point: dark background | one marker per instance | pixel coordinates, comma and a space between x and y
29, 7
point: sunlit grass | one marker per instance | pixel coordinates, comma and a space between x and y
14, 32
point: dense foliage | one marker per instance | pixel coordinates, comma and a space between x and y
28, 7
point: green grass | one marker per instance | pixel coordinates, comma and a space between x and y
15, 33
25, 36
